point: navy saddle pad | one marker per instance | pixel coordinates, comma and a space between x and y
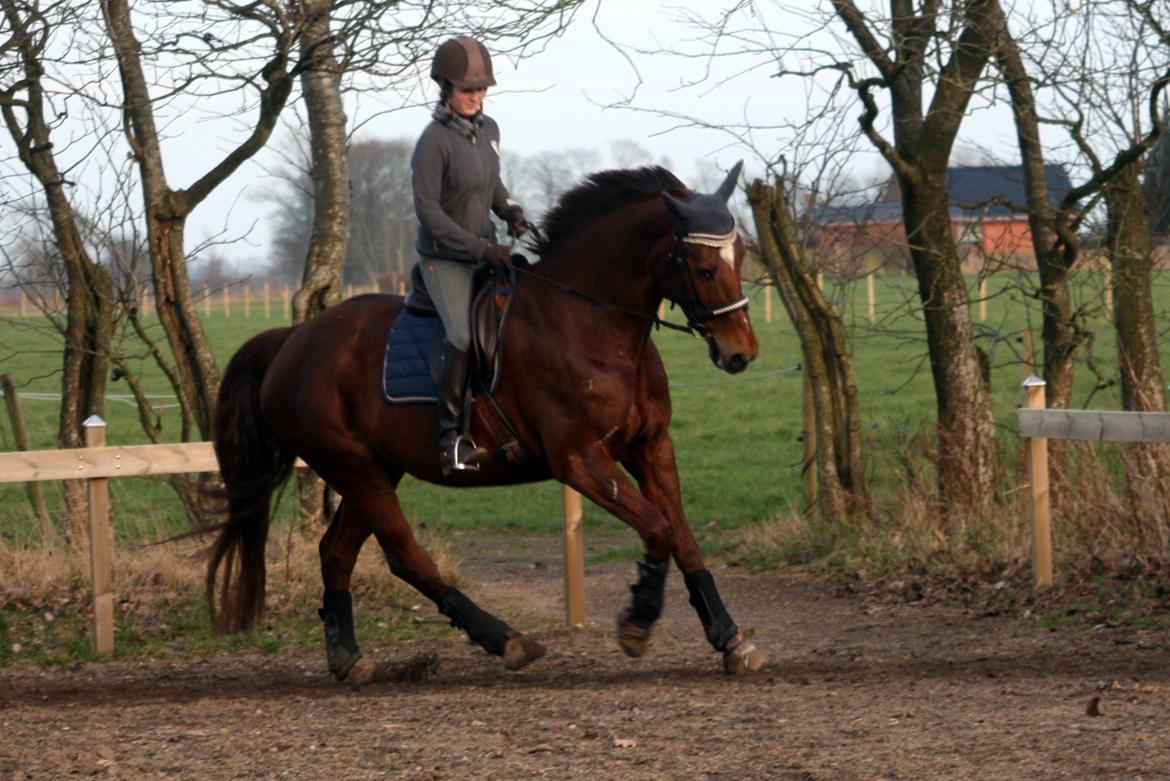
406, 370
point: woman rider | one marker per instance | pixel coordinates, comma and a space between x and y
456, 179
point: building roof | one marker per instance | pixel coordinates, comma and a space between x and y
972, 187
976, 191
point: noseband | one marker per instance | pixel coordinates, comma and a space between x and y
676, 259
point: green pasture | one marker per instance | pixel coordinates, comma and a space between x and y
737, 437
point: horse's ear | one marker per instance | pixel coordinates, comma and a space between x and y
676, 208
728, 187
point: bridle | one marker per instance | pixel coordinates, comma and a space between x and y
676, 259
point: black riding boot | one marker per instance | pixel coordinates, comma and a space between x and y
456, 450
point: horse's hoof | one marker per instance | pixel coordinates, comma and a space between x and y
363, 671
519, 652
742, 656
632, 638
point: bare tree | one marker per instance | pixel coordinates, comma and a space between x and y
202, 44
1118, 71
840, 468
942, 52
89, 317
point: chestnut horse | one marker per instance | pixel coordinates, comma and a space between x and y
583, 387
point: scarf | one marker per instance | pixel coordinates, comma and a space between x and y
468, 128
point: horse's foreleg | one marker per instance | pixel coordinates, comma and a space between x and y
598, 477
653, 465
410, 562
339, 550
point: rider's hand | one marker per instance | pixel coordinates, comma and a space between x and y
497, 255
517, 225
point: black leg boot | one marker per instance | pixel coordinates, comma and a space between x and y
341, 648
457, 452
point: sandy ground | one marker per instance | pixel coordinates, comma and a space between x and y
856, 689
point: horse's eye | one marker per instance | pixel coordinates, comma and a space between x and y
706, 273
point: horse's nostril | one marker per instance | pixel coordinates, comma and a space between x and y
737, 362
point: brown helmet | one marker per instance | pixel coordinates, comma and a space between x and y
464, 62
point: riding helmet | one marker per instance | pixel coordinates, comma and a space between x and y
464, 62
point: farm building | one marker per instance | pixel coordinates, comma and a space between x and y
989, 225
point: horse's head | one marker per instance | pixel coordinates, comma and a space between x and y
702, 274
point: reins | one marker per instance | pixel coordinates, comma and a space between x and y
655, 319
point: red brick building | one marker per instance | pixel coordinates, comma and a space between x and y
988, 218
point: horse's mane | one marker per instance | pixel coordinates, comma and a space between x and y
600, 194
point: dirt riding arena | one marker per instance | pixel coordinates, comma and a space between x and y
856, 689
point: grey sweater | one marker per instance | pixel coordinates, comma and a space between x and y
456, 181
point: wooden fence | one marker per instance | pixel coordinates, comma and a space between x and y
1039, 424
96, 463
246, 299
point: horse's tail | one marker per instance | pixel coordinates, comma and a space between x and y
252, 464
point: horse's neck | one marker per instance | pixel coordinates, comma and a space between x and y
613, 261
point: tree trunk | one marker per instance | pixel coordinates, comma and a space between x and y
321, 283
966, 422
840, 468
1053, 243
1131, 253
329, 146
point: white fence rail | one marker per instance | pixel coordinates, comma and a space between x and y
1095, 425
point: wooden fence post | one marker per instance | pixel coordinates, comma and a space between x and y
23, 304
983, 299
768, 303
1038, 484
101, 545
869, 295
36, 494
206, 301
267, 302
248, 301
227, 303
574, 558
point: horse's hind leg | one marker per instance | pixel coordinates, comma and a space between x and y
339, 550
411, 563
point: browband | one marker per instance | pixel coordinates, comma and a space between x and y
710, 239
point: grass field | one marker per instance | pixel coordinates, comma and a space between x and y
737, 437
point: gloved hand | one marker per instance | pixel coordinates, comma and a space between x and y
497, 255
517, 225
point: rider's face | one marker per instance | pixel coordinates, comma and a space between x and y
466, 101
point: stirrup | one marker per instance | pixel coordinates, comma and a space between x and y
462, 456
